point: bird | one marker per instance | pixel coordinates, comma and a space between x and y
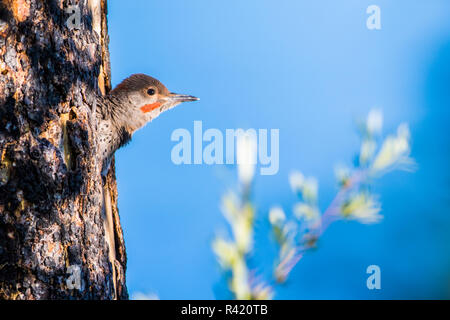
133, 103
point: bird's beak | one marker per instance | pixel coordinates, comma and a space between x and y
177, 98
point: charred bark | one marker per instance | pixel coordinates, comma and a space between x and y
52, 235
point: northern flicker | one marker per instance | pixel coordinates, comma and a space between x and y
134, 102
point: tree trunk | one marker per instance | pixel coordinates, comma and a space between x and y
60, 234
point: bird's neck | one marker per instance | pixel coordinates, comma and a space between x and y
115, 129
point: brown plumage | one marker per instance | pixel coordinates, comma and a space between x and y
134, 102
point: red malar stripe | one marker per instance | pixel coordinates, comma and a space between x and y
150, 107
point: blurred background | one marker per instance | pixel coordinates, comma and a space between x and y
310, 69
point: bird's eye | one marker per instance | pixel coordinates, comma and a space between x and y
151, 91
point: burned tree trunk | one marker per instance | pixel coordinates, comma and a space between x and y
54, 62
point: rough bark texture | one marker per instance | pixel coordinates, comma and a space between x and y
51, 197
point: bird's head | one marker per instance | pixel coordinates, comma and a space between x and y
147, 97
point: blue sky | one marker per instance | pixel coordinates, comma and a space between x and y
309, 69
